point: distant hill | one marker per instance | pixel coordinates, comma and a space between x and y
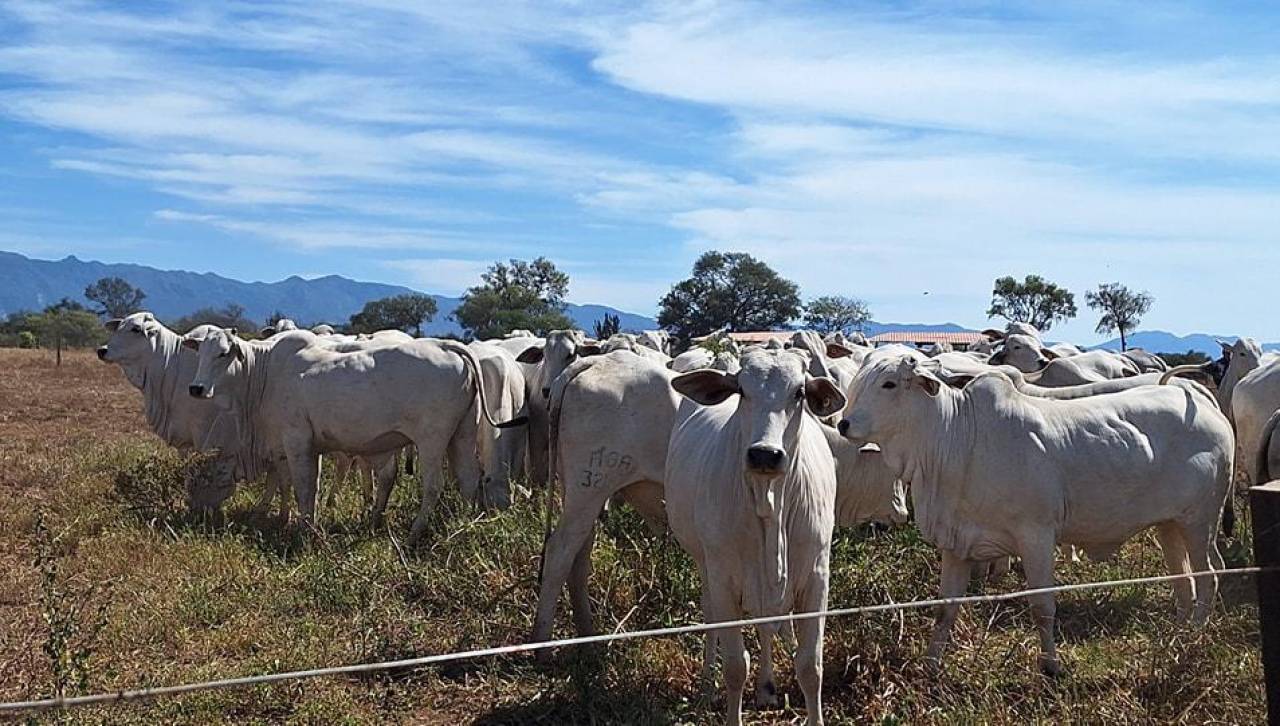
1159, 341
30, 284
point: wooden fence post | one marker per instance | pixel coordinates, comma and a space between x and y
1264, 507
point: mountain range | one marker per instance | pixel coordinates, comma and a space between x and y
32, 284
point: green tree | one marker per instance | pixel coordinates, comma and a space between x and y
608, 326
115, 296
402, 312
1190, 358
68, 324
518, 295
1035, 300
1122, 309
835, 313
729, 289
230, 315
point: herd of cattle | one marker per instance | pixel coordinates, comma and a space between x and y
750, 457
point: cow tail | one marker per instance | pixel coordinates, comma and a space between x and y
1179, 370
554, 404
473, 365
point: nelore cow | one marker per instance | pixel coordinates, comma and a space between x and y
750, 493
299, 399
997, 473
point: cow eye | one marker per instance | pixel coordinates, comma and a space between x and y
800, 393
889, 385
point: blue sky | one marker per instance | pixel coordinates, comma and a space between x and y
882, 150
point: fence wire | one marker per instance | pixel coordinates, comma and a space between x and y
412, 663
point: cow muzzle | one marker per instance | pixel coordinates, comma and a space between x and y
765, 459
102, 353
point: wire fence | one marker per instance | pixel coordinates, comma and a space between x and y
411, 663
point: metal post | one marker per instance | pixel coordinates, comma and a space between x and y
1264, 507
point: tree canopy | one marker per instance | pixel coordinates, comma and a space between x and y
116, 298
1122, 309
729, 290
607, 327
1035, 300
515, 295
401, 312
836, 313
230, 315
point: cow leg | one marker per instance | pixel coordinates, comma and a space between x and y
1037, 563
539, 441
564, 548
463, 461
384, 474
380, 498
430, 458
955, 581
766, 686
733, 651
579, 586
1202, 546
341, 470
269, 490
810, 634
1174, 549
304, 468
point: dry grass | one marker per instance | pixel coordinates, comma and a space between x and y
185, 602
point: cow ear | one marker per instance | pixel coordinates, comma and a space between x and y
838, 350
926, 380
707, 387
993, 334
1048, 353
823, 396
267, 332
113, 325
588, 349
530, 355
191, 343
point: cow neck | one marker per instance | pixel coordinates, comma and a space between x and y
249, 392
160, 380
945, 429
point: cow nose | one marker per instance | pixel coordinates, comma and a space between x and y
765, 458
546, 392
843, 426
102, 353
196, 391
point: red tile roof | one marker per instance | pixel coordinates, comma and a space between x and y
925, 336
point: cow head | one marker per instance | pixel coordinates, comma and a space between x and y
132, 341
562, 348
773, 391
220, 353
884, 394
1023, 352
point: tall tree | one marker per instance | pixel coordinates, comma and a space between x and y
835, 313
608, 326
402, 312
1035, 300
729, 289
1122, 309
115, 296
231, 315
515, 295
68, 324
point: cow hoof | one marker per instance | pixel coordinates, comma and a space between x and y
1050, 667
767, 696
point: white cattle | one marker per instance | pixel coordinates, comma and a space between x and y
551, 357
611, 418
1044, 367
501, 450
301, 399
1253, 400
997, 473
824, 357
155, 362
283, 325
750, 491
659, 340
323, 329
624, 341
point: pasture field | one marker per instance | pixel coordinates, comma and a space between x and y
107, 584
